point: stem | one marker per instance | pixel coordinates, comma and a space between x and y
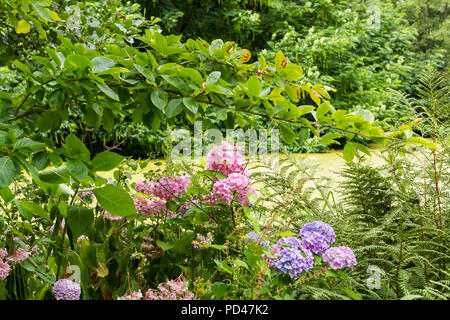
423, 245
398, 268
64, 234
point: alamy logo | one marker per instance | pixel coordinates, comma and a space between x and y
374, 280
250, 143
374, 20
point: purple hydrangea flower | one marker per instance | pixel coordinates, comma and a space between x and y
65, 289
254, 237
339, 257
317, 236
293, 257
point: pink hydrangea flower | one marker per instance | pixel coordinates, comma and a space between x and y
166, 187
18, 255
225, 189
152, 207
3, 253
111, 217
134, 295
225, 158
4, 270
339, 257
171, 290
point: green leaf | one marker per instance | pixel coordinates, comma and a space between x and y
6, 195
23, 27
77, 169
254, 86
361, 148
322, 109
27, 143
160, 99
328, 138
349, 151
164, 245
287, 134
291, 72
174, 108
193, 74
7, 172
222, 266
304, 110
115, 200
55, 176
213, 77
285, 234
28, 208
57, 99
145, 72
106, 161
352, 294
42, 13
215, 246
79, 220
77, 61
108, 91
280, 59
219, 289
108, 119
423, 142
191, 104
76, 149
40, 160
102, 64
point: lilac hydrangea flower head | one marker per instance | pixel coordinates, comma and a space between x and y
254, 237
293, 257
339, 257
317, 236
65, 289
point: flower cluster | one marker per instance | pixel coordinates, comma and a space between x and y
111, 217
133, 295
292, 257
4, 267
171, 290
17, 256
339, 257
152, 207
65, 289
317, 236
201, 240
254, 237
224, 158
150, 249
166, 187
235, 184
